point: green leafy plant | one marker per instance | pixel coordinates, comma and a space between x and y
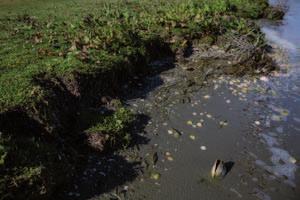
115, 127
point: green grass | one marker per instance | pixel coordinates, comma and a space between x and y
250, 9
63, 36
114, 127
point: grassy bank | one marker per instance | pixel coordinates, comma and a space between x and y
60, 37
56, 56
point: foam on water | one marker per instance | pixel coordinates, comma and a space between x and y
286, 87
269, 140
283, 164
274, 36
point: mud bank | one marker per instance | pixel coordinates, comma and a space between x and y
250, 121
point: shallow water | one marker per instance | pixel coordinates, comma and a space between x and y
253, 123
286, 87
261, 134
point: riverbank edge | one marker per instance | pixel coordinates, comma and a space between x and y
51, 119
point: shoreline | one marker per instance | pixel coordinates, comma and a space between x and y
63, 100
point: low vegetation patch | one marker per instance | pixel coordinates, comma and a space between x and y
111, 130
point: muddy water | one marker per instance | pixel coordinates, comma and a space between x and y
253, 124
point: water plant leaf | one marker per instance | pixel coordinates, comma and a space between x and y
192, 137
155, 175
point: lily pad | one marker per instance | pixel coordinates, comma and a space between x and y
199, 124
192, 137
285, 112
170, 158
276, 118
223, 123
206, 97
177, 133
155, 175
189, 122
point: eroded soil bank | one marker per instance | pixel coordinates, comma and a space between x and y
61, 142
